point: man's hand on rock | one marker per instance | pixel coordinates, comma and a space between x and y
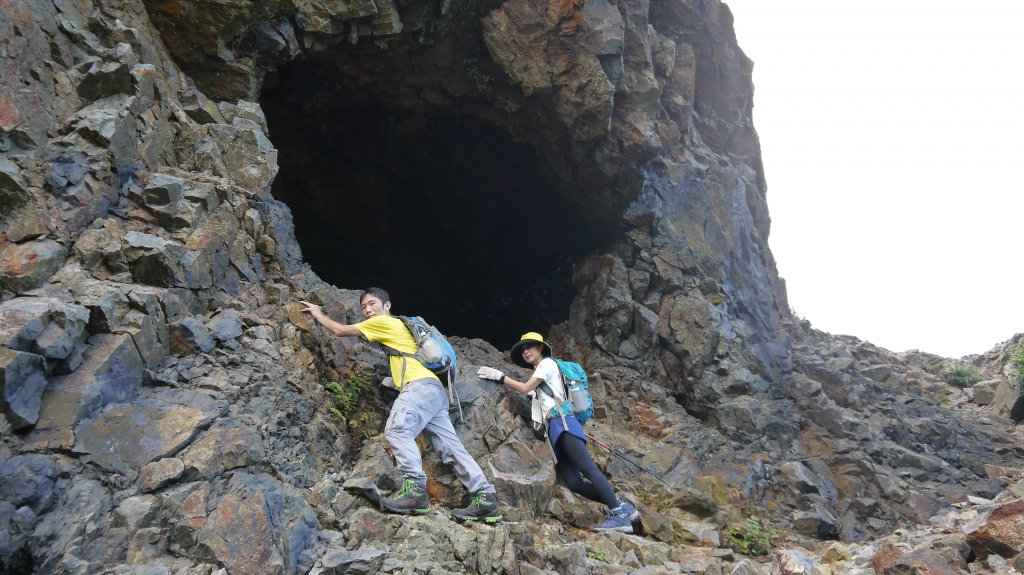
312, 308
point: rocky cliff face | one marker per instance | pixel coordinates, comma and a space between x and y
590, 167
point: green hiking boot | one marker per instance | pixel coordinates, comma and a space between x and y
482, 507
410, 498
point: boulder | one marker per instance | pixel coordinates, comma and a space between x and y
223, 449
22, 382
984, 392
111, 373
225, 325
998, 529
22, 321
154, 260
28, 265
189, 335
161, 473
124, 437
357, 561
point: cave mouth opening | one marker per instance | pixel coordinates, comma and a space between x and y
462, 224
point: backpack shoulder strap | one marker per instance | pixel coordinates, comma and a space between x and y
560, 403
392, 351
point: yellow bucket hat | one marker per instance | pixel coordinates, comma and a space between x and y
516, 355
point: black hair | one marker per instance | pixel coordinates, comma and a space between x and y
376, 292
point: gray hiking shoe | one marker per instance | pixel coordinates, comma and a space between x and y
482, 507
630, 510
617, 520
410, 498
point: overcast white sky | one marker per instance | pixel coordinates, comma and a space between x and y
891, 132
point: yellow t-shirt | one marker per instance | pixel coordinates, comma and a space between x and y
391, 332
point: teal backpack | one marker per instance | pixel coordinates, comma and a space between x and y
577, 389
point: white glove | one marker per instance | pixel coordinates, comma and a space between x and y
490, 373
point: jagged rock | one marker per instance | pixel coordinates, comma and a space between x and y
137, 512
358, 561
984, 392
189, 335
160, 473
27, 265
111, 373
206, 262
65, 329
998, 530
200, 108
177, 203
105, 301
125, 437
240, 532
22, 320
13, 191
220, 450
99, 79
248, 156
147, 337
22, 382
1008, 401
154, 260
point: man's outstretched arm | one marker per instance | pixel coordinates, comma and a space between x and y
338, 329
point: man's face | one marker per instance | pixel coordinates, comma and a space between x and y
371, 306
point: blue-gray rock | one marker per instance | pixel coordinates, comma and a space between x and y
144, 332
226, 325
221, 449
22, 320
66, 327
364, 561
189, 335
22, 382
125, 437
98, 79
154, 260
111, 373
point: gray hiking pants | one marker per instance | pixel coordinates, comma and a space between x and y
422, 407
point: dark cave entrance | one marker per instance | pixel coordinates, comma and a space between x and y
459, 222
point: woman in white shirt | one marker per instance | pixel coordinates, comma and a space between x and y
574, 465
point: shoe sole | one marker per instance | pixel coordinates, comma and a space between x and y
623, 529
490, 520
416, 511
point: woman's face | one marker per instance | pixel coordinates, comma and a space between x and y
532, 354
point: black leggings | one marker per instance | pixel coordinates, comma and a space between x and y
575, 463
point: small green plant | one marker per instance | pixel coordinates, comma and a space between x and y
1017, 367
934, 366
961, 376
348, 397
598, 555
751, 538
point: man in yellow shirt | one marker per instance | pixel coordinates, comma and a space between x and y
422, 406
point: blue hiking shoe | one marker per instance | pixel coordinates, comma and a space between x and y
410, 498
617, 520
630, 510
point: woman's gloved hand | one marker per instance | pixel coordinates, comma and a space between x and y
490, 373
